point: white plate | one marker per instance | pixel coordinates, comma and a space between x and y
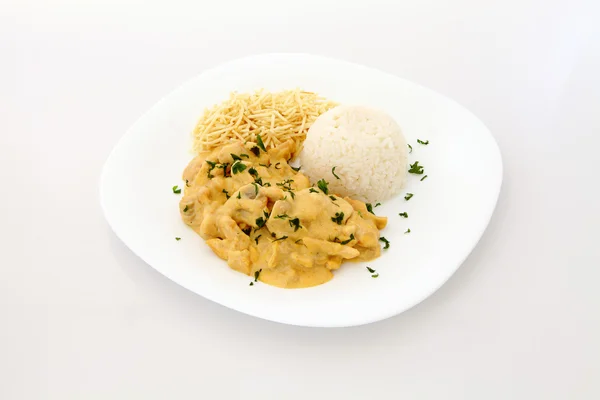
447, 215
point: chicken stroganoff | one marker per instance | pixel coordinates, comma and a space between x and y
266, 220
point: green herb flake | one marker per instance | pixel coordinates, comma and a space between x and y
339, 217
423, 142
387, 243
370, 208
226, 194
255, 151
333, 198
238, 167
423, 178
256, 274
256, 238
176, 189
323, 185
407, 231
409, 148
375, 276
260, 222
312, 190
187, 184
296, 169
186, 208
295, 223
178, 239
260, 143
408, 196
377, 205
252, 171
416, 168
333, 172
239, 196
281, 238
292, 194
349, 240
282, 216
298, 241
360, 214
371, 270
251, 284
235, 157
244, 155
403, 214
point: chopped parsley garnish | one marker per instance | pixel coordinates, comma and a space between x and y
260, 143
404, 214
298, 241
273, 234
282, 216
296, 169
339, 217
371, 270
255, 151
251, 283
259, 181
256, 238
263, 165
387, 242
266, 184
260, 222
377, 205
295, 223
255, 189
375, 276
423, 178
252, 171
416, 168
212, 164
244, 155
187, 183
176, 189
349, 240
370, 208
292, 194
238, 167
333, 198
226, 194
408, 196
333, 172
224, 166
277, 165
256, 274
409, 148
423, 142
178, 239
247, 230
186, 208
235, 157
239, 196
312, 190
407, 231
287, 184
322, 184
360, 214
281, 238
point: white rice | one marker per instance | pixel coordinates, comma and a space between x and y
366, 147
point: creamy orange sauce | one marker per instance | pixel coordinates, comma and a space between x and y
260, 215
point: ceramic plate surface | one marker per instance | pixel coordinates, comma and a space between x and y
447, 214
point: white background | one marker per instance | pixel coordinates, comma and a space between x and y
81, 317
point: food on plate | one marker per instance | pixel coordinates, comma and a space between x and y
277, 117
366, 147
266, 220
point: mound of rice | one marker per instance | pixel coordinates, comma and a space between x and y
366, 147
